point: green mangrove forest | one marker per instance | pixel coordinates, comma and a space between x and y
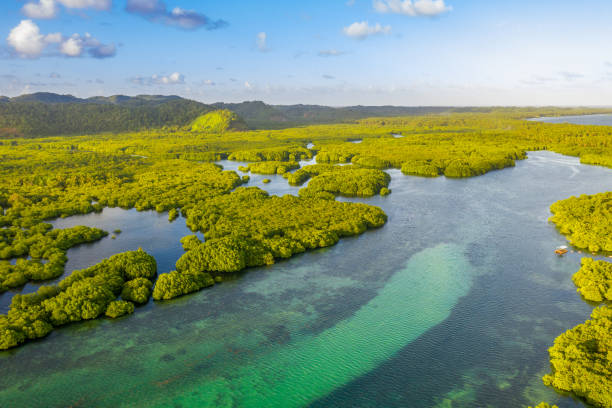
585, 220
594, 280
36, 245
84, 295
171, 168
581, 358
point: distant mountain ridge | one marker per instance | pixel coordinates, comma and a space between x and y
260, 115
48, 97
50, 114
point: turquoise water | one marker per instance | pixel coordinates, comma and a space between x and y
452, 304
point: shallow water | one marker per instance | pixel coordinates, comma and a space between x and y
452, 304
147, 230
601, 119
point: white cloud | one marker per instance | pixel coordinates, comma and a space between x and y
209, 82
172, 79
261, 40
44, 9
247, 85
81, 4
76, 45
28, 42
429, 8
73, 46
363, 30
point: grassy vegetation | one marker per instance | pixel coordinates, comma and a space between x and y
218, 121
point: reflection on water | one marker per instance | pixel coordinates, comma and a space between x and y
453, 303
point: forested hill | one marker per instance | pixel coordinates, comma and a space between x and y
259, 115
47, 114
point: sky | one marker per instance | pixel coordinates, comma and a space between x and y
329, 52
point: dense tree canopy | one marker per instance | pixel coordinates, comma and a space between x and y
169, 169
251, 228
452, 155
580, 360
586, 221
33, 118
85, 294
174, 284
137, 290
39, 243
349, 181
594, 280
118, 308
270, 167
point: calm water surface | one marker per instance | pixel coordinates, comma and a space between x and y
600, 120
452, 304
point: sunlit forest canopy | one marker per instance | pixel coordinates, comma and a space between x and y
580, 357
586, 220
172, 169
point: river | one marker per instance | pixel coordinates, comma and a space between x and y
452, 304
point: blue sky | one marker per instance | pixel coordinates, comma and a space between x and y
333, 52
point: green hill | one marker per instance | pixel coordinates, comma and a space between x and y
218, 121
259, 115
46, 114
46, 97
